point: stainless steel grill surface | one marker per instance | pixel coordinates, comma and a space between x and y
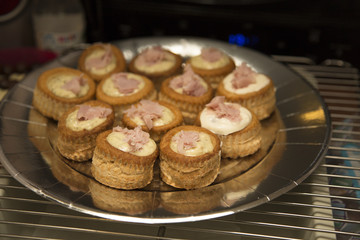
324, 206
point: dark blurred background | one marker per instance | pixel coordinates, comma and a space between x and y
319, 29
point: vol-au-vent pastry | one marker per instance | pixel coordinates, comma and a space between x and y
212, 65
124, 158
156, 63
188, 91
123, 89
189, 157
79, 127
155, 117
100, 60
59, 89
237, 127
252, 90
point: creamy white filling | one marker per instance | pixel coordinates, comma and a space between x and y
164, 65
204, 145
166, 118
100, 71
224, 126
261, 82
75, 125
199, 62
109, 88
116, 139
56, 82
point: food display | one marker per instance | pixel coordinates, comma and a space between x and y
185, 126
160, 132
30, 143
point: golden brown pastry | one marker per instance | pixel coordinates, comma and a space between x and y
155, 117
250, 89
100, 60
237, 127
189, 157
188, 91
79, 127
59, 89
156, 63
212, 65
123, 89
124, 158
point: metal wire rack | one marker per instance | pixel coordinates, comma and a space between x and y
324, 206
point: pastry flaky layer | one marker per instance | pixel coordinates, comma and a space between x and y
241, 143
261, 102
190, 106
189, 172
118, 169
215, 75
53, 106
80, 145
120, 62
156, 132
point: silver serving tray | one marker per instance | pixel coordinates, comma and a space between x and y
295, 137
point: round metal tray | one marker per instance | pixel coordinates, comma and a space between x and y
295, 138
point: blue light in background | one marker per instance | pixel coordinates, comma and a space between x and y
242, 40
238, 39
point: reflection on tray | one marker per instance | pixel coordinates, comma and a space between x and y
192, 201
76, 181
122, 201
237, 177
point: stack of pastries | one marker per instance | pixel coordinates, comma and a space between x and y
187, 114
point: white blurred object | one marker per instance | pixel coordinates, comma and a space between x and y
58, 24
